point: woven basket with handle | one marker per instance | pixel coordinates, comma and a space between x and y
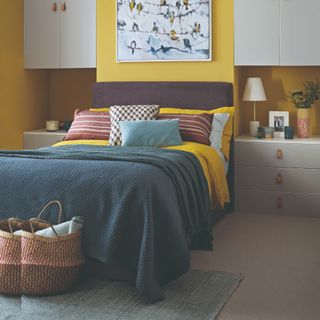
49, 265
10, 257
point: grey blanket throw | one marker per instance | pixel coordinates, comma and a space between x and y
143, 207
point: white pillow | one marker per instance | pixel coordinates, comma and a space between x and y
218, 124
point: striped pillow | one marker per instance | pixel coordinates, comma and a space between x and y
193, 127
89, 125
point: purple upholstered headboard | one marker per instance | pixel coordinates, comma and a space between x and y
191, 95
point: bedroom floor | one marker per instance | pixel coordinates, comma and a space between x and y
280, 258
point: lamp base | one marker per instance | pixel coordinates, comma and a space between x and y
254, 125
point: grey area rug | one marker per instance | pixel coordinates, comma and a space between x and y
198, 295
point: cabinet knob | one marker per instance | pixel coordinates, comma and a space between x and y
54, 7
63, 7
279, 178
279, 154
279, 203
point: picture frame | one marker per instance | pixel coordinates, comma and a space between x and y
164, 31
278, 120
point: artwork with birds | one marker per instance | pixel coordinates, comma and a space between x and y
160, 30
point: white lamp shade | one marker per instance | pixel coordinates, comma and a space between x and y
254, 90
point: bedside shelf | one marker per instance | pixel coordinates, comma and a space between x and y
41, 138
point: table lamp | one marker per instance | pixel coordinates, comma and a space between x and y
254, 91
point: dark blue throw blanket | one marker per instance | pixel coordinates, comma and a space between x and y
143, 206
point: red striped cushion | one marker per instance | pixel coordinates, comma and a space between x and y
90, 125
193, 127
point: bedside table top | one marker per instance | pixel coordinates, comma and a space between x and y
45, 132
247, 138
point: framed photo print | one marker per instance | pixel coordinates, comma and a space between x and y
164, 30
278, 120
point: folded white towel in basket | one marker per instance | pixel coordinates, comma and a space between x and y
61, 229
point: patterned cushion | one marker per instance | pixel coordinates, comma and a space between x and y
89, 125
193, 127
128, 113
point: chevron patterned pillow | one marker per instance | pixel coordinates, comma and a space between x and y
128, 113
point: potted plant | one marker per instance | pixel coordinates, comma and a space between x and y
303, 101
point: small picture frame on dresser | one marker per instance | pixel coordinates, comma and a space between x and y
278, 120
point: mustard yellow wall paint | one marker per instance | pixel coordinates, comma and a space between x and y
23, 94
277, 82
220, 69
69, 90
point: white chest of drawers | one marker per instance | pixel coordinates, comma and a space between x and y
277, 176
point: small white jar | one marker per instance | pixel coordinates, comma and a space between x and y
52, 125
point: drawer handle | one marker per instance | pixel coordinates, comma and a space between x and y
279, 154
54, 7
63, 7
279, 178
279, 203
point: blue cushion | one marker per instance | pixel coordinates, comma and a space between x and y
150, 133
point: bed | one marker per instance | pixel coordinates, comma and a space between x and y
144, 207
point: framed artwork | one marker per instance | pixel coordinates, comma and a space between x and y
278, 120
164, 30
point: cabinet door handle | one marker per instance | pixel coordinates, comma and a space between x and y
54, 7
279, 203
63, 7
279, 178
279, 154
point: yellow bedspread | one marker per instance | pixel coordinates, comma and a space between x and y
210, 161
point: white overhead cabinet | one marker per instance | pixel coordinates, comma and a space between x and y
300, 26
59, 34
256, 31
41, 34
277, 32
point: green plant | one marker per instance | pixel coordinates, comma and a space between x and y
306, 98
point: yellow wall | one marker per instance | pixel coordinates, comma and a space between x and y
23, 94
69, 90
220, 69
30, 97
278, 81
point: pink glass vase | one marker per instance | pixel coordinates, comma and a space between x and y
304, 123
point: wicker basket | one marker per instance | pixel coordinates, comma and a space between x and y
49, 265
10, 257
